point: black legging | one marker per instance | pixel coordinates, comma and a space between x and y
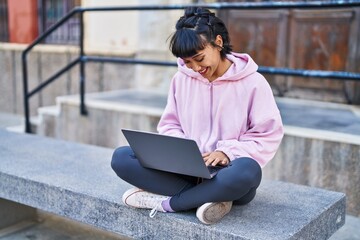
237, 182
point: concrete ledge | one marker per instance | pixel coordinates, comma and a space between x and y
75, 181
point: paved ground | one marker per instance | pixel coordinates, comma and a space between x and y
350, 231
52, 227
57, 228
8, 120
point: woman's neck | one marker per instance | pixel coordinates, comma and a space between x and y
224, 65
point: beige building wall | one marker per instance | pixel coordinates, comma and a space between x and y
155, 27
129, 32
142, 34
111, 32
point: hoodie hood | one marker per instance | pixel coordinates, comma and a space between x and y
242, 66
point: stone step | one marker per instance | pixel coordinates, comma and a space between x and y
304, 118
107, 113
76, 181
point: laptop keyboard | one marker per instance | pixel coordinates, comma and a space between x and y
213, 169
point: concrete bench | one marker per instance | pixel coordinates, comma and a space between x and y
75, 181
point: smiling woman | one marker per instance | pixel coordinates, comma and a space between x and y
218, 99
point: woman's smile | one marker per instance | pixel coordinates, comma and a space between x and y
203, 71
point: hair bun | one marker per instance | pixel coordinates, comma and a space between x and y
197, 12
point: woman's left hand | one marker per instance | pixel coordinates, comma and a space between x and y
215, 158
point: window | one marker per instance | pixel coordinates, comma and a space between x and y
51, 11
4, 31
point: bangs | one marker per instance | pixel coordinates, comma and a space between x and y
186, 43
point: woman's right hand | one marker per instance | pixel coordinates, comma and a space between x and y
215, 158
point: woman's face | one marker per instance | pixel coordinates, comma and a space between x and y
208, 61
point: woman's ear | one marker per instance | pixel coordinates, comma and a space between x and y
219, 41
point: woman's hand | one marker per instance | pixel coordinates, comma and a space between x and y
215, 158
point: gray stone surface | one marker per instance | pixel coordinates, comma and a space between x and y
44, 61
305, 114
107, 114
133, 97
76, 181
117, 76
308, 115
319, 163
50, 63
107, 76
11, 91
7, 89
33, 81
10, 120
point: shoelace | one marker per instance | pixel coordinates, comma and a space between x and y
155, 210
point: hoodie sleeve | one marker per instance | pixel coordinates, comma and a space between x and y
169, 122
265, 129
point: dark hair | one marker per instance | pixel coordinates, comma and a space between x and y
195, 30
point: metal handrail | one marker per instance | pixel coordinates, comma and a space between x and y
82, 59
266, 70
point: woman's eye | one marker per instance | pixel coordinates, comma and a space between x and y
200, 60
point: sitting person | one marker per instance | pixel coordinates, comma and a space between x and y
218, 99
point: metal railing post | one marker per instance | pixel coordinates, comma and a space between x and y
26, 95
83, 110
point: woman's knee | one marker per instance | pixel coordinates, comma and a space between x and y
250, 170
242, 172
119, 158
246, 198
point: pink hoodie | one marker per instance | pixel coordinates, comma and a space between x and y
235, 114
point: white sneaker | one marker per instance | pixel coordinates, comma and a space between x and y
213, 212
138, 198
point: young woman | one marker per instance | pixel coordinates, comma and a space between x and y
218, 99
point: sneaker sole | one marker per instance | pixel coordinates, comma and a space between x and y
210, 213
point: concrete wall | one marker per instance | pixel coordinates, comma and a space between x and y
320, 159
107, 114
46, 60
114, 31
155, 27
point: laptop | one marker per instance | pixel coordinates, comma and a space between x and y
170, 154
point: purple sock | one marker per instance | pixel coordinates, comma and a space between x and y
166, 205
